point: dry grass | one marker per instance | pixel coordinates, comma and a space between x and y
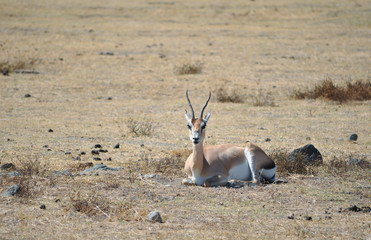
263, 99
223, 95
87, 99
140, 127
189, 68
359, 90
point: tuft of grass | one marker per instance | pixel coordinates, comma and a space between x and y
189, 68
263, 99
170, 164
286, 167
93, 204
140, 127
30, 166
343, 164
357, 91
223, 95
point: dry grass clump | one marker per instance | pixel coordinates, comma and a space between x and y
347, 163
263, 100
171, 164
95, 205
223, 95
358, 91
188, 68
286, 167
140, 127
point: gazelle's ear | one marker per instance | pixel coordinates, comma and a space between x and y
187, 117
207, 117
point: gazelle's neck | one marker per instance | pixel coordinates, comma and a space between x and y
198, 157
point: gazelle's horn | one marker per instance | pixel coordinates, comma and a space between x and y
190, 105
202, 111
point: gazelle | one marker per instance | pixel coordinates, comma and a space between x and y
216, 165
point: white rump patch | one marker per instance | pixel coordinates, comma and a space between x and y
269, 174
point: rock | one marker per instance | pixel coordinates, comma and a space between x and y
27, 95
78, 158
117, 145
11, 191
62, 173
353, 137
97, 146
50, 130
42, 206
107, 53
154, 216
7, 166
10, 174
108, 159
26, 71
98, 167
97, 159
291, 216
68, 153
103, 150
82, 153
354, 208
267, 139
109, 98
308, 153
142, 145
308, 218
95, 152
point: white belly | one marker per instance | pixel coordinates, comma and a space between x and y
240, 172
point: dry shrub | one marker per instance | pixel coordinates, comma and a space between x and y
95, 205
263, 99
346, 163
223, 95
170, 164
188, 68
286, 167
140, 127
30, 166
358, 91
10, 63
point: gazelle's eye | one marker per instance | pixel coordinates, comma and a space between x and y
189, 126
203, 127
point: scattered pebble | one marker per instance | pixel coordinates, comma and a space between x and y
67, 153
45, 146
103, 150
142, 145
108, 159
267, 139
353, 137
82, 153
154, 216
7, 166
11, 191
78, 158
109, 98
117, 145
291, 216
27, 95
107, 53
308, 218
95, 152
97, 146
42, 206
50, 130
97, 159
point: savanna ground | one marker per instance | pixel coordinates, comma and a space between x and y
116, 72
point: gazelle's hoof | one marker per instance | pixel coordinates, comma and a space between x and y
188, 181
234, 184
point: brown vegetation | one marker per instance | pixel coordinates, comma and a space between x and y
359, 90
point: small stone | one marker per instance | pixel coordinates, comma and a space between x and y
103, 150
97, 146
95, 152
42, 206
117, 145
267, 139
308, 153
82, 153
308, 138
7, 166
11, 191
50, 130
109, 98
68, 153
353, 137
27, 95
142, 145
97, 159
108, 159
78, 158
45, 146
154, 216
291, 216
308, 218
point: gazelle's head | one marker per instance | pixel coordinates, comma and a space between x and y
197, 126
